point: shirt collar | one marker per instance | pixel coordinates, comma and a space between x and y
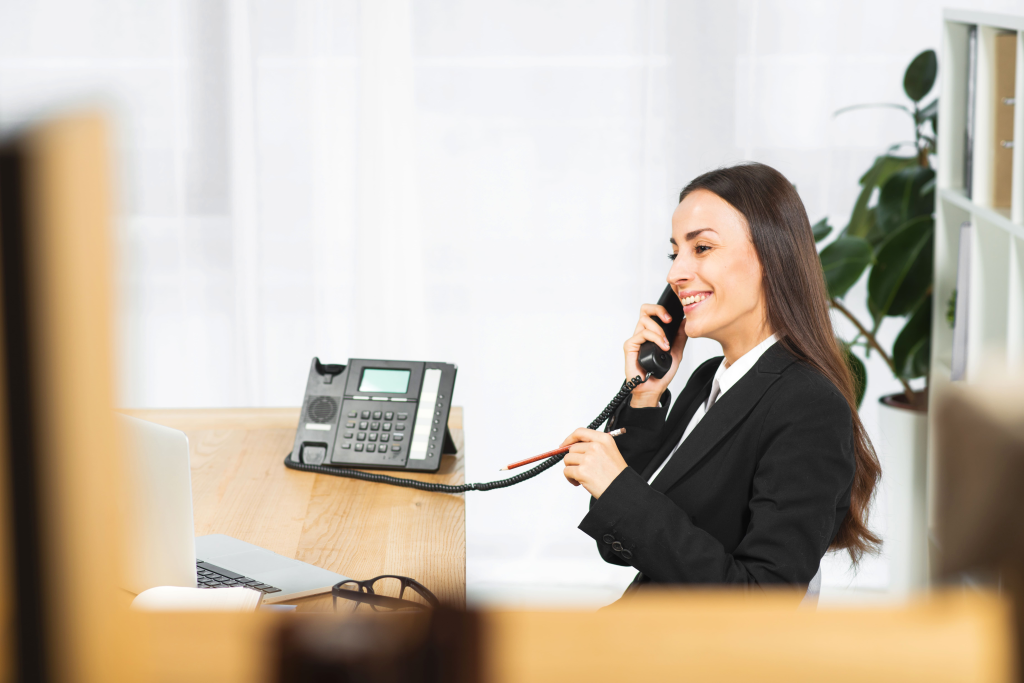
727, 376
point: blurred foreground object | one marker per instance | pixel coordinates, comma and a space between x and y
979, 484
58, 449
706, 635
411, 647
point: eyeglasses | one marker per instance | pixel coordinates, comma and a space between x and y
378, 592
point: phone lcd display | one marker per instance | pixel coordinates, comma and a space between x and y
375, 380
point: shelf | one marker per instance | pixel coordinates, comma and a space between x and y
992, 216
1003, 21
995, 280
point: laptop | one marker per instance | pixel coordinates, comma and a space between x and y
161, 546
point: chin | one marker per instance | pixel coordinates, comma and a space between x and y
694, 330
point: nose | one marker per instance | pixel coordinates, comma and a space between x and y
680, 272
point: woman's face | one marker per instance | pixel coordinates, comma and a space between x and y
715, 271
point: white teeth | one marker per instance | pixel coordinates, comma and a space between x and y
693, 299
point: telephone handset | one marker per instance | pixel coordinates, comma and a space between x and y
349, 408
652, 357
381, 414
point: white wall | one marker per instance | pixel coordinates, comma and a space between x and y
485, 183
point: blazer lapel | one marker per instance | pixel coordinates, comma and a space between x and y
728, 411
683, 413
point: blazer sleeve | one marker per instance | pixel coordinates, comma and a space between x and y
637, 446
800, 493
644, 428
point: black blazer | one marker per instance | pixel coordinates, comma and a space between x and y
754, 496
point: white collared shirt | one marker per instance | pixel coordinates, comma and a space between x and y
725, 377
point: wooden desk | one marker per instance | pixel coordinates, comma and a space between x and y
240, 487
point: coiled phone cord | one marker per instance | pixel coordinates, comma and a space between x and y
627, 387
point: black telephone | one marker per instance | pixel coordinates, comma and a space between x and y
652, 358
351, 411
379, 414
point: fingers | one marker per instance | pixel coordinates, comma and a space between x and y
569, 472
587, 435
571, 439
645, 334
654, 310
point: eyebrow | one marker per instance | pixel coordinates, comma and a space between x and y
690, 235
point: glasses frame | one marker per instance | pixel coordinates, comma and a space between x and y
364, 594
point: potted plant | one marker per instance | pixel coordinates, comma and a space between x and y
890, 234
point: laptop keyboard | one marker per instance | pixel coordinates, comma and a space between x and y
212, 576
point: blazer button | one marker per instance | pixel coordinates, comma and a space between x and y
626, 555
607, 538
616, 546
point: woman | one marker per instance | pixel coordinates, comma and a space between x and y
763, 464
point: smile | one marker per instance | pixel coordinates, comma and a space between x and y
691, 301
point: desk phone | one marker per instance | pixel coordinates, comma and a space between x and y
379, 414
388, 414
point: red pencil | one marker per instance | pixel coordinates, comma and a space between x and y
557, 451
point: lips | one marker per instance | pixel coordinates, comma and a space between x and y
690, 300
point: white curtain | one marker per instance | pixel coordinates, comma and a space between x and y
484, 183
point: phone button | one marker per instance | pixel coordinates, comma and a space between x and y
396, 437
361, 436
371, 448
375, 426
403, 416
400, 427
388, 415
350, 425
353, 413
365, 415
359, 447
385, 437
395, 449
348, 435
346, 446
386, 426
376, 414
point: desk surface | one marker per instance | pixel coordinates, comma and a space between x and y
240, 487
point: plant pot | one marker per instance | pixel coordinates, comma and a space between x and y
903, 455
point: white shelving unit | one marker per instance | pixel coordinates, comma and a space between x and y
995, 333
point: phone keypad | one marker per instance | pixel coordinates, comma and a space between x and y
376, 431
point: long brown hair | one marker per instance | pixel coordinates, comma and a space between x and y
796, 302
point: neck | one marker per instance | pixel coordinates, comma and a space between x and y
735, 346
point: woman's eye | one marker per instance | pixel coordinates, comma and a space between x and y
672, 257
701, 248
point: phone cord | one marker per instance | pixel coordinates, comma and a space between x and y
627, 387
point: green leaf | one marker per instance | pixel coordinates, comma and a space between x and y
862, 223
821, 229
930, 110
951, 310
860, 373
927, 188
920, 75
843, 262
902, 199
910, 353
902, 274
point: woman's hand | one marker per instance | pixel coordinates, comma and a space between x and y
593, 460
647, 394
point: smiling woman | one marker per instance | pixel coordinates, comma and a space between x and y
763, 464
